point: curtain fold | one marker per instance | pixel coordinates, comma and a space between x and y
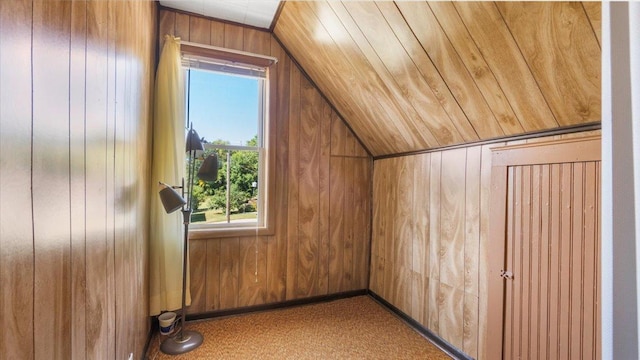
166, 230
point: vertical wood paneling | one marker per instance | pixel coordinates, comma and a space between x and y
348, 233
252, 274
336, 221
362, 223
50, 179
545, 259
217, 33
472, 251
324, 197
233, 37
213, 276
590, 290
96, 94
536, 250
323, 189
77, 161
403, 233
309, 207
434, 239
198, 274
66, 69
451, 191
16, 232
199, 30
552, 313
554, 261
229, 269
276, 260
292, 177
452, 217
181, 26
420, 238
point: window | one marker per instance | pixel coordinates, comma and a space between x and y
227, 104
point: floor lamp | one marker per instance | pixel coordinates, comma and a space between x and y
186, 340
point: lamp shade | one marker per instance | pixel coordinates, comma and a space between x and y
170, 198
193, 141
209, 168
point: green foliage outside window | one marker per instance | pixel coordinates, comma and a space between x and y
243, 175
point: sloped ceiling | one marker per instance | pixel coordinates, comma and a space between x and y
409, 76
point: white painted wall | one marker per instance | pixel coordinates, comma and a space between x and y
620, 180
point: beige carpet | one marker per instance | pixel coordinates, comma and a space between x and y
353, 328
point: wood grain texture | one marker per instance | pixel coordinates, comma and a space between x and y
16, 232
79, 268
50, 179
446, 72
553, 38
77, 166
446, 202
410, 71
594, 13
469, 53
322, 203
434, 43
452, 217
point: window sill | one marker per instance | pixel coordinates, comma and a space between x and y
212, 233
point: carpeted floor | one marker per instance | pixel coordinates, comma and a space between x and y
353, 328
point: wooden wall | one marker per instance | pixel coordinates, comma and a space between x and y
323, 177
448, 72
429, 239
76, 82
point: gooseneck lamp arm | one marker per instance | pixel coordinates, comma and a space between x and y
186, 340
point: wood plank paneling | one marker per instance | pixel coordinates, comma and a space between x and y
551, 310
460, 38
50, 178
446, 199
434, 43
448, 72
75, 81
16, 232
77, 161
323, 189
572, 92
594, 13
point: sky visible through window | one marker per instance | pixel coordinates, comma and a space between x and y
223, 106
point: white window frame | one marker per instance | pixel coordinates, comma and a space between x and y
218, 59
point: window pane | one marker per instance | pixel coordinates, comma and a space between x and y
210, 202
224, 108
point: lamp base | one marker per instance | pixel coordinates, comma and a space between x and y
175, 346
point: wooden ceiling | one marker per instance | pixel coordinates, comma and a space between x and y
409, 76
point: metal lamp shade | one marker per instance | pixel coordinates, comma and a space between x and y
170, 198
193, 141
209, 169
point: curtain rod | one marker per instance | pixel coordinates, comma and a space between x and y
232, 51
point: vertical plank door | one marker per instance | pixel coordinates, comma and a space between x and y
545, 247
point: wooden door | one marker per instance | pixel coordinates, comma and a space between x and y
545, 251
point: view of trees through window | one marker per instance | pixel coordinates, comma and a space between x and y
225, 110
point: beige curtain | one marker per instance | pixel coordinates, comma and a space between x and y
166, 242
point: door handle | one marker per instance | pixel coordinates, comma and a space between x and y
506, 274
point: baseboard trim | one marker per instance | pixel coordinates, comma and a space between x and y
278, 305
435, 339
